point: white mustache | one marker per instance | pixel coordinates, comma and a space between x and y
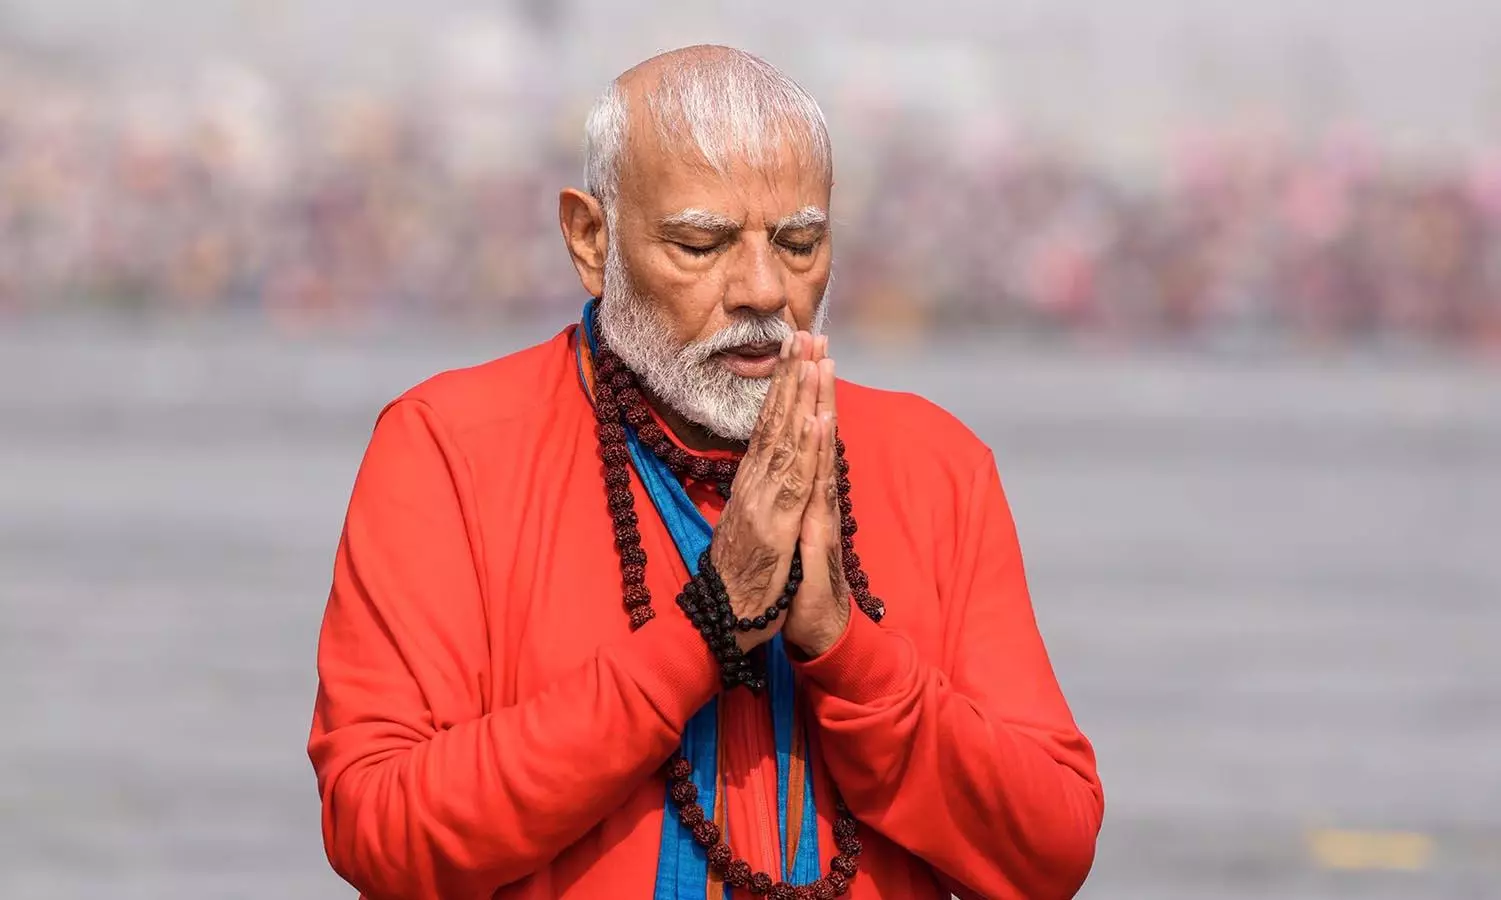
758, 330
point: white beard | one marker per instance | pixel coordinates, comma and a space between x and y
689, 378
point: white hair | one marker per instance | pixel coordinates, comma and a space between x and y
727, 106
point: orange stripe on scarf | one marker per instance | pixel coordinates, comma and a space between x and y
797, 773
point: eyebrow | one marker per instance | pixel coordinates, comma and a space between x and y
807, 217
701, 219
704, 220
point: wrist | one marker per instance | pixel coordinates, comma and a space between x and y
818, 640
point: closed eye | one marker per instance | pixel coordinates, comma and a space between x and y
693, 250
800, 249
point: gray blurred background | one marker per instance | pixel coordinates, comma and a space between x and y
1220, 283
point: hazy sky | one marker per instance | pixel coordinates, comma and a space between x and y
1418, 70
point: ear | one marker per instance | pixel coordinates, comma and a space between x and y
586, 236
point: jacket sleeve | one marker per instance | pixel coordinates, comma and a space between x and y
975, 766
424, 794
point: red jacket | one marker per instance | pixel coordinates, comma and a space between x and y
488, 725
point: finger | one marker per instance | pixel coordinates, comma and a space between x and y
826, 385
809, 384
820, 347
810, 345
779, 398
818, 527
806, 411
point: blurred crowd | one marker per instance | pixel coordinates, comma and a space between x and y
239, 199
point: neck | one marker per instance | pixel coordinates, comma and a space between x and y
691, 434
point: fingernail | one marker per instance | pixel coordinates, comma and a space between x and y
787, 345
807, 424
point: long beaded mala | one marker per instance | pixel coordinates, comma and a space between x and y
618, 397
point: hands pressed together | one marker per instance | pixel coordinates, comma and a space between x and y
785, 499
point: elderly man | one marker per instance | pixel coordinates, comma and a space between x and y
602, 623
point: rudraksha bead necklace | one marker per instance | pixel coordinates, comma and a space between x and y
737, 872
618, 397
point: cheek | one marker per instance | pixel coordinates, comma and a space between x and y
689, 300
804, 293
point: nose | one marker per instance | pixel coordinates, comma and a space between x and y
756, 284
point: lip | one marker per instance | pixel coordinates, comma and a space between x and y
752, 360
756, 351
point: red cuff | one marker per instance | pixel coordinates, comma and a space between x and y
867, 663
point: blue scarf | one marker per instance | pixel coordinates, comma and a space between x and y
683, 865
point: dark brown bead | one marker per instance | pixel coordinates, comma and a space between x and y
845, 865
849, 846
719, 854
651, 434
637, 595
611, 433
851, 560
839, 445
842, 467
622, 381
701, 468
606, 409
844, 826
621, 500
859, 581
846, 506
706, 833
684, 792
681, 768
616, 455
738, 873
641, 615
627, 536
633, 574
679, 458
617, 477
823, 890
633, 556
691, 815
805, 892
838, 882
725, 469
782, 891
760, 884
